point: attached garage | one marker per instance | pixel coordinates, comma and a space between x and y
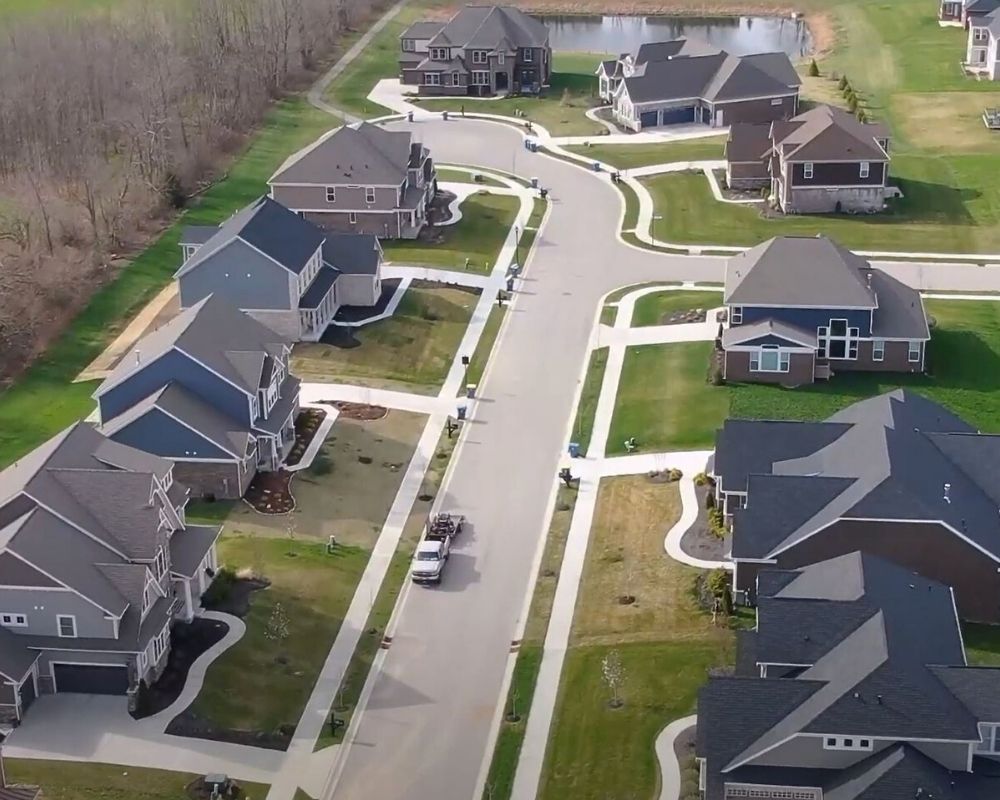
677, 116
647, 119
90, 678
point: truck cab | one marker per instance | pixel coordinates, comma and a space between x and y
428, 563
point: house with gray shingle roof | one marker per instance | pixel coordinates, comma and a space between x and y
480, 51
212, 391
280, 268
853, 685
982, 54
802, 308
897, 476
689, 81
963, 13
96, 561
360, 178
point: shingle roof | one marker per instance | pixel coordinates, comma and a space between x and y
320, 287
768, 327
421, 30
977, 687
189, 546
353, 154
489, 26
266, 225
748, 142
352, 253
825, 133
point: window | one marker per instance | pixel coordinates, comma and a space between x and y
432, 79
846, 743
807, 170
352, 218
478, 56
66, 623
161, 562
331, 194
369, 194
865, 168
439, 54
500, 58
769, 358
838, 341
526, 54
736, 315
160, 644
913, 354
456, 79
480, 78
13, 620
878, 350
409, 45
989, 735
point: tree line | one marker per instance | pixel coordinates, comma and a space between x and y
109, 120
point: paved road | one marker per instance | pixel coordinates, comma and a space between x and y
425, 728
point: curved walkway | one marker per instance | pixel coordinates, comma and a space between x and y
670, 768
689, 515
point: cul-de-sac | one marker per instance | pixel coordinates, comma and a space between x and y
428, 400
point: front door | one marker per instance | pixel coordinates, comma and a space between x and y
502, 82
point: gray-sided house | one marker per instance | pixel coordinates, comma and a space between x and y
280, 269
360, 179
982, 56
480, 51
897, 476
210, 390
96, 562
823, 160
685, 80
802, 308
963, 12
854, 685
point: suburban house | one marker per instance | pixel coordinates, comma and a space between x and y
962, 12
96, 561
685, 80
801, 308
854, 685
896, 476
280, 269
823, 160
360, 179
211, 390
481, 51
982, 55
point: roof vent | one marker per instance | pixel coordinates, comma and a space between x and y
878, 699
857, 695
138, 356
947, 493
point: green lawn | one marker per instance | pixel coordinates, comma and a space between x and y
412, 350
583, 425
43, 401
461, 176
560, 110
627, 156
480, 358
654, 309
982, 644
665, 401
964, 374
74, 780
476, 238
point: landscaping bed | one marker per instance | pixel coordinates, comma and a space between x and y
361, 411
684, 752
699, 541
270, 492
306, 426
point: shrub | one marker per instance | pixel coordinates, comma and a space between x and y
718, 581
218, 592
852, 104
861, 115
717, 522
709, 501
700, 479
843, 84
727, 601
813, 69
674, 475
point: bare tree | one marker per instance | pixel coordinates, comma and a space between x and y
613, 674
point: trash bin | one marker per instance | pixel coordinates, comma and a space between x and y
470, 390
527, 144
574, 449
461, 412
409, 116
510, 284
596, 166
444, 115
534, 183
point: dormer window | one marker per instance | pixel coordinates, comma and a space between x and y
409, 45
847, 743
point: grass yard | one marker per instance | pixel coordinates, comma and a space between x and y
75, 780
627, 156
653, 309
982, 644
665, 401
461, 176
561, 110
44, 401
666, 644
583, 425
412, 350
475, 239
481, 356
964, 364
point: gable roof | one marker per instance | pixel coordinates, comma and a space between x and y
489, 26
361, 153
825, 133
741, 334
280, 234
422, 30
352, 253
213, 332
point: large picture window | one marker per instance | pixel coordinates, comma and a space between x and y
480, 78
838, 341
769, 358
432, 78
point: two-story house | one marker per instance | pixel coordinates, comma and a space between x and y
823, 160
854, 685
480, 51
982, 55
689, 81
898, 476
962, 12
801, 308
280, 269
212, 391
360, 179
96, 561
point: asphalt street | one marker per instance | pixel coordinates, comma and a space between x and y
425, 729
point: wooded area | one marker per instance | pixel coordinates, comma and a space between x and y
110, 122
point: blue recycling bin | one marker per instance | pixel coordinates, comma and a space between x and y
461, 412
574, 449
596, 166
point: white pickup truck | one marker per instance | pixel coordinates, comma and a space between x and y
428, 563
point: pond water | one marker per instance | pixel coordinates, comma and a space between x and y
736, 35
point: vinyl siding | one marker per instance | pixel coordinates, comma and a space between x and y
809, 319
160, 434
42, 606
838, 174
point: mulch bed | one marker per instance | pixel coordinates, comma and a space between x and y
270, 492
437, 213
698, 541
361, 411
684, 317
306, 425
188, 640
236, 600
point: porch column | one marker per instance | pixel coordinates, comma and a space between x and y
188, 601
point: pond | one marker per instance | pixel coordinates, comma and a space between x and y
736, 35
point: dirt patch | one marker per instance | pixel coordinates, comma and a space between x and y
698, 541
306, 426
360, 411
188, 640
271, 493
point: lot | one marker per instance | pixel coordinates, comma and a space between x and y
665, 400
666, 644
654, 309
411, 351
583, 425
627, 156
477, 237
